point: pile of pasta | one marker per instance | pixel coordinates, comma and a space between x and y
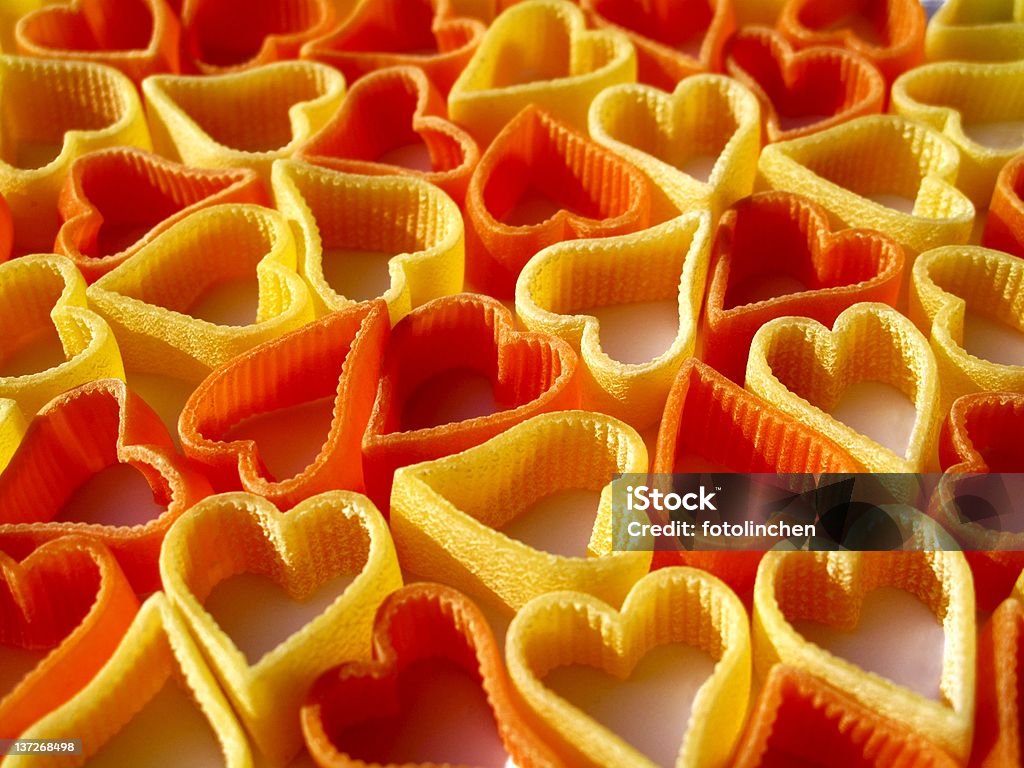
217, 212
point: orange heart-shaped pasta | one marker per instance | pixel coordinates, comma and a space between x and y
673, 40
530, 373
419, 624
69, 597
117, 200
802, 92
432, 35
140, 38
338, 355
76, 436
216, 40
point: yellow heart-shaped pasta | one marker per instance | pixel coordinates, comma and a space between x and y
947, 284
244, 119
339, 217
671, 605
698, 144
37, 294
326, 536
975, 106
538, 52
148, 299
804, 368
976, 30
157, 651
830, 587
902, 182
54, 112
447, 514
561, 283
